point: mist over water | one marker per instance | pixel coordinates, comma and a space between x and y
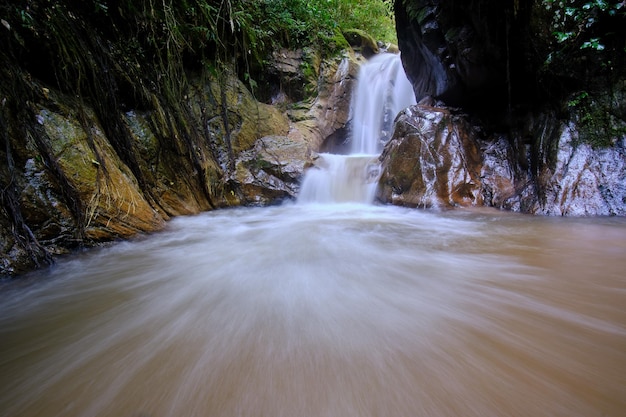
327, 310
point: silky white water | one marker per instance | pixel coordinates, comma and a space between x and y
326, 310
383, 90
341, 179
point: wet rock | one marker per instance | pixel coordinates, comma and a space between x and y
285, 76
232, 116
506, 179
481, 55
114, 205
42, 206
327, 115
581, 180
450, 52
272, 170
558, 115
432, 160
290, 76
193, 174
438, 159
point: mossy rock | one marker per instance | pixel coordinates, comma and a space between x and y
362, 41
337, 43
115, 206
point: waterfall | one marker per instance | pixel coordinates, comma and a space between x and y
341, 179
382, 91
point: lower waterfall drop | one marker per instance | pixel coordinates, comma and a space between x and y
383, 90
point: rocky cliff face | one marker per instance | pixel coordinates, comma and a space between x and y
438, 159
457, 51
534, 136
67, 185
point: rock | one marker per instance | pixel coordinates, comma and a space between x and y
557, 117
438, 159
194, 174
114, 205
432, 160
506, 183
290, 76
460, 52
272, 170
42, 206
581, 180
285, 76
361, 41
322, 122
231, 113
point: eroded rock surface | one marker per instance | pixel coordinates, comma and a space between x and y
580, 180
438, 159
432, 160
272, 170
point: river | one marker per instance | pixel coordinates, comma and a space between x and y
326, 310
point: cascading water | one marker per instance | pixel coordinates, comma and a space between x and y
383, 90
341, 179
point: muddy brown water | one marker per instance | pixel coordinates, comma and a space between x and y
343, 310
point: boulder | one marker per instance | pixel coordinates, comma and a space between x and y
438, 159
432, 160
271, 171
361, 42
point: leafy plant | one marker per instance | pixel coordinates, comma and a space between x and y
297, 23
574, 21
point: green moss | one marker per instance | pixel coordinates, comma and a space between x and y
360, 39
258, 164
310, 68
596, 123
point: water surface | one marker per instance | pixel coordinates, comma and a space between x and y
339, 310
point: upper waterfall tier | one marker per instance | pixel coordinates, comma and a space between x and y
383, 90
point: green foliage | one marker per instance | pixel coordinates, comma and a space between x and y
139, 53
580, 45
578, 99
297, 23
217, 30
574, 21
